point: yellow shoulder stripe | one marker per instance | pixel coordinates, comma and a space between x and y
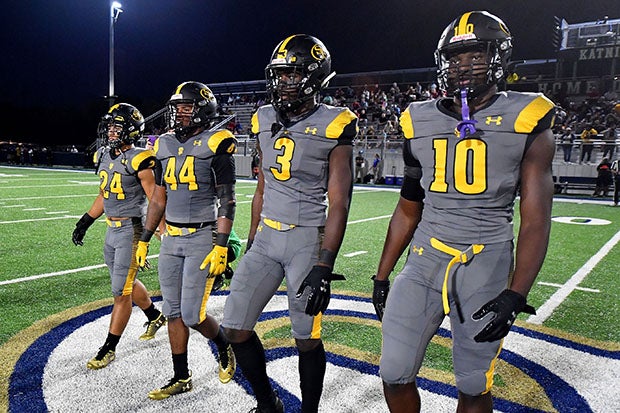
336, 126
96, 157
530, 115
255, 128
407, 124
216, 139
140, 157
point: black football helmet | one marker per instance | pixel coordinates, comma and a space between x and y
129, 118
302, 55
473, 31
203, 113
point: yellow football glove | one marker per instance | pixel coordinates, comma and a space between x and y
141, 252
216, 260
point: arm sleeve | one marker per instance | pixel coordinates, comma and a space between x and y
159, 173
348, 133
224, 169
412, 188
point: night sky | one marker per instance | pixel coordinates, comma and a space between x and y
54, 70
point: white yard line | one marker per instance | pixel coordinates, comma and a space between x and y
47, 186
369, 219
589, 290
30, 198
19, 221
54, 274
544, 311
355, 253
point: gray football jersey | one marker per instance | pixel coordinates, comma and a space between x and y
123, 195
188, 175
295, 161
470, 184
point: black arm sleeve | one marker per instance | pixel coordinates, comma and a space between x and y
146, 163
546, 122
159, 173
224, 169
348, 133
412, 188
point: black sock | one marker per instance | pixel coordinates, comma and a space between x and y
220, 340
151, 313
179, 362
311, 374
222, 345
110, 344
250, 357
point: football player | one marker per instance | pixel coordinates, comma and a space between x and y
305, 152
467, 155
127, 181
195, 187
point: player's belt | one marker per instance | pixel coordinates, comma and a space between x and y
278, 226
460, 257
179, 230
118, 223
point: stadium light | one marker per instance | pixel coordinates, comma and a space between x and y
115, 11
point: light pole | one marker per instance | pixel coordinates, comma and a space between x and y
115, 11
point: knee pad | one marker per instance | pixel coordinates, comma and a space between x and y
473, 384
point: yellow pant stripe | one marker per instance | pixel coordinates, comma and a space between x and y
491, 371
205, 298
316, 326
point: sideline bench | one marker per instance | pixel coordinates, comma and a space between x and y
564, 183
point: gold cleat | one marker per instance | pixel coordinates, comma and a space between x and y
152, 327
173, 387
227, 365
96, 364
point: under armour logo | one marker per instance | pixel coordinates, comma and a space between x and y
497, 120
310, 130
197, 142
110, 166
417, 250
180, 152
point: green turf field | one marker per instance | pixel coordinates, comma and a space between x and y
43, 273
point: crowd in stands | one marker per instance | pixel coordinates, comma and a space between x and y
584, 125
581, 126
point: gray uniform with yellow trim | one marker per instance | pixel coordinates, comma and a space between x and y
462, 249
295, 163
191, 214
123, 197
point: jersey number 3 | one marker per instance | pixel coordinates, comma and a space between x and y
286, 146
469, 166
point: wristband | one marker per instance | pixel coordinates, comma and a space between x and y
221, 239
146, 235
327, 257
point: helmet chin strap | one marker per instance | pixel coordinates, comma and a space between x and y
466, 126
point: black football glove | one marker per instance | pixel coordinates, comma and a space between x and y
318, 281
506, 307
379, 296
80, 229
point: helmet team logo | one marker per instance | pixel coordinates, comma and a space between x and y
206, 93
136, 115
317, 52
